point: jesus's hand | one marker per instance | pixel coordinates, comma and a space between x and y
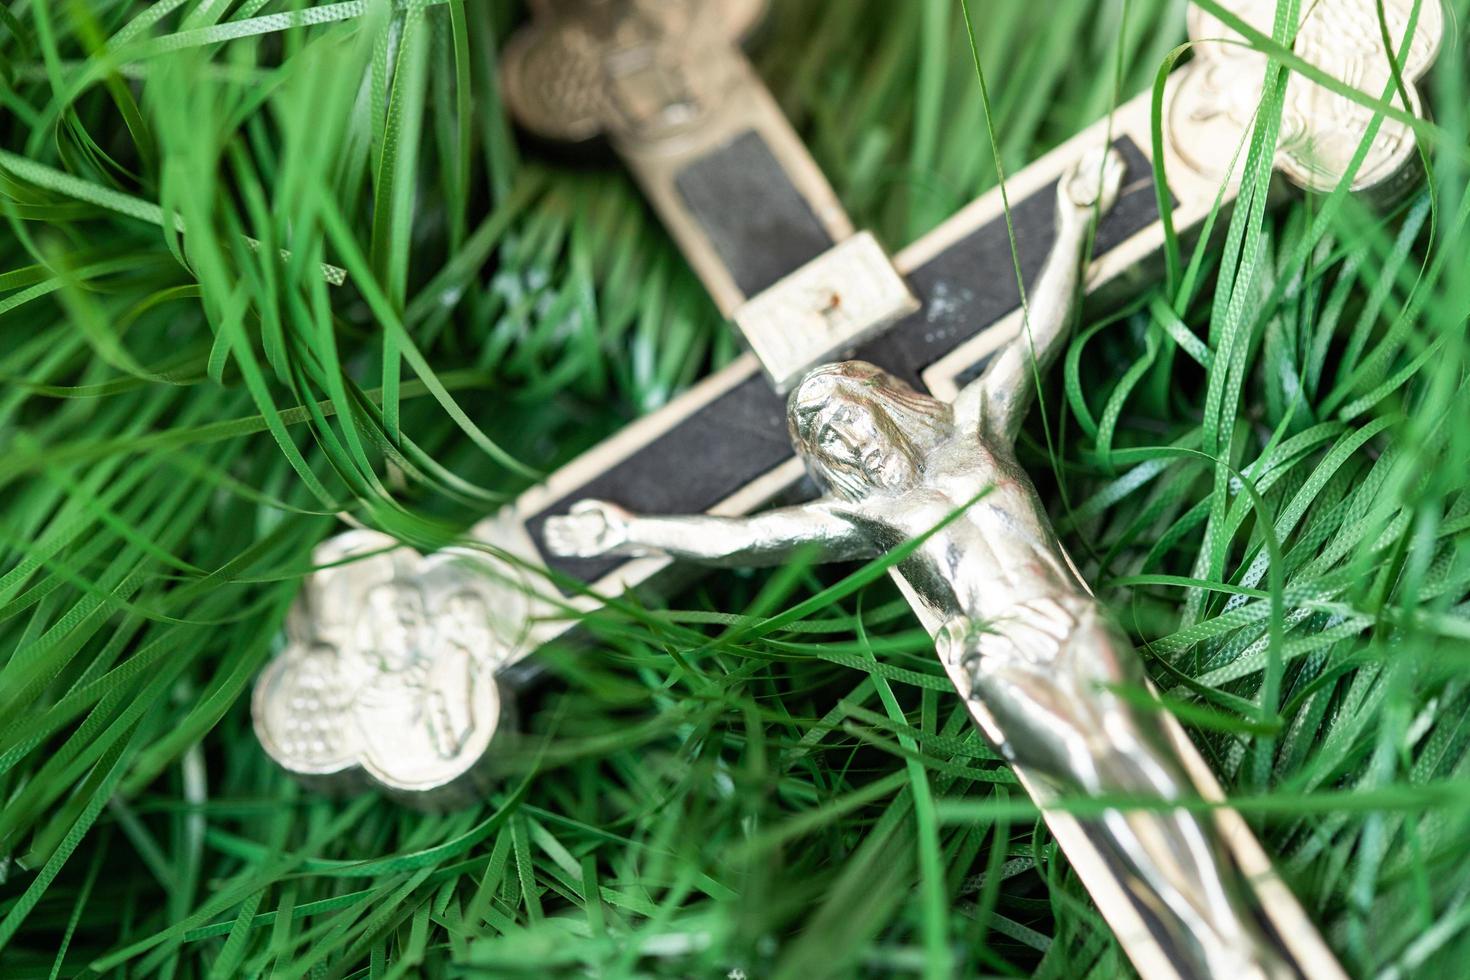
592, 529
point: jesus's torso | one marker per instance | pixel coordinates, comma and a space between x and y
994, 555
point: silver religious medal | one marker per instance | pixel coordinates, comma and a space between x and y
388, 677
859, 373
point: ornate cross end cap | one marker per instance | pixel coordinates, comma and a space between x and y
387, 678
1321, 130
644, 69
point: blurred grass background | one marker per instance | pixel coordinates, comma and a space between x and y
183, 414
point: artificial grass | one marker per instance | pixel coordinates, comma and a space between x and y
183, 413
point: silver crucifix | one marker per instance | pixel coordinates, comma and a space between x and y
396, 660
1037, 660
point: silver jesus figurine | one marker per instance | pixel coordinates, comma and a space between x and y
1037, 660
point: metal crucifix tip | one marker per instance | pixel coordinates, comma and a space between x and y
388, 676
1321, 129
638, 69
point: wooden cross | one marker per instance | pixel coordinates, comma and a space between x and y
667, 84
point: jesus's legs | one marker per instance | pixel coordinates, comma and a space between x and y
1048, 687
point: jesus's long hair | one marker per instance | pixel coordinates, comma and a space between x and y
911, 422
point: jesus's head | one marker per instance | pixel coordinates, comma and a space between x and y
861, 430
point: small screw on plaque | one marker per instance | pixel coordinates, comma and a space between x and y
831, 307
826, 308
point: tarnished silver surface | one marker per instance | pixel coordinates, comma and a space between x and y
1321, 130
1038, 662
388, 674
639, 69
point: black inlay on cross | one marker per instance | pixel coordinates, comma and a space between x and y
741, 435
758, 244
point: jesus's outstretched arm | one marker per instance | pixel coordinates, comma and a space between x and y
994, 403
596, 527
